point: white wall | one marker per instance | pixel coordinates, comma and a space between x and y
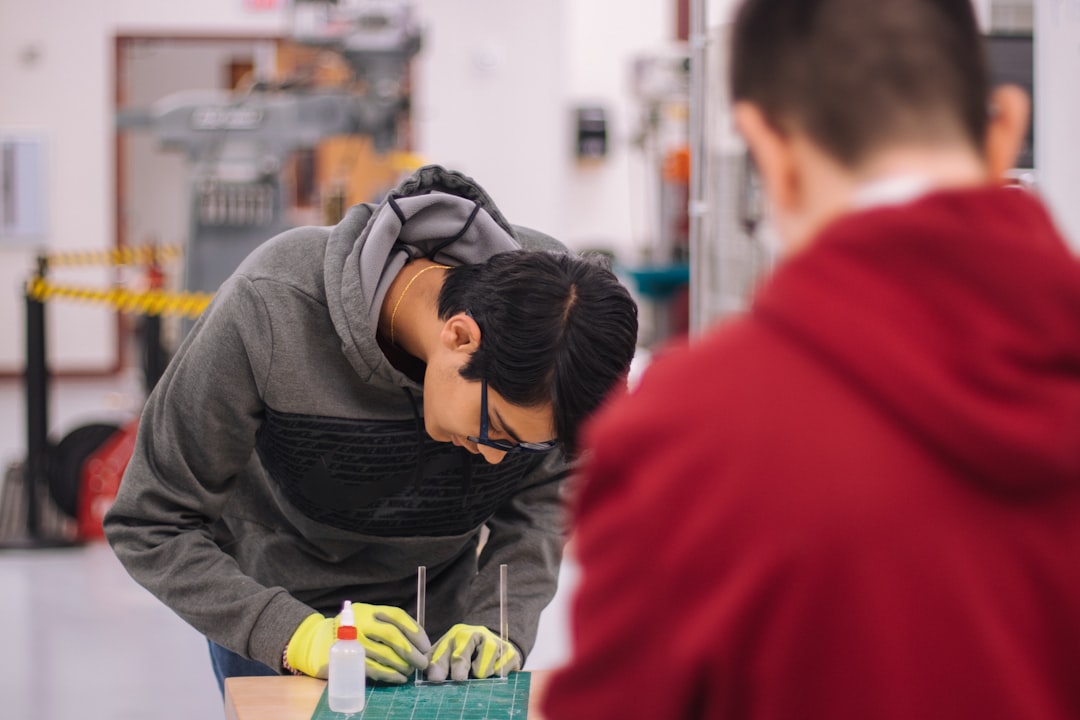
55, 84
599, 74
56, 59
498, 81
488, 100
1057, 111
495, 84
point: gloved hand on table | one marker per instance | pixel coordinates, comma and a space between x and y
395, 645
471, 645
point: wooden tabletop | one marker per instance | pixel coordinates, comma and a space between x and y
289, 697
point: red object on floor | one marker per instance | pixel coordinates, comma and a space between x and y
100, 480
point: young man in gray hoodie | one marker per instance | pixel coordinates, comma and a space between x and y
361, 400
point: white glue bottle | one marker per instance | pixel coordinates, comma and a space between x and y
346, 686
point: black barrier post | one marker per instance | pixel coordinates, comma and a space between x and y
35, 470
37, 411
154, 354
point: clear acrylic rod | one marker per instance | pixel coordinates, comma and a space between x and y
504, 628
421, 602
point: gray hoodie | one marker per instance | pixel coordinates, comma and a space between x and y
281, 464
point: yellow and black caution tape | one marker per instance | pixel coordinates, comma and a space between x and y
135, 255
145, 302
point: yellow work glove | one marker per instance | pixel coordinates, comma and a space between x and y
471, 645
394, 644
309, 648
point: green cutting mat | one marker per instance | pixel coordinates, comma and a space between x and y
470, 700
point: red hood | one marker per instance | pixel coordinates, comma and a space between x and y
959, 315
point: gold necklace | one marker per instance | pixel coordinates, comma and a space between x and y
393, 313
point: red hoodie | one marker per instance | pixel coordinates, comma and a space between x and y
860, 499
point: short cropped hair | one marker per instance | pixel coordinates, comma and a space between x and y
555, 328
856, 75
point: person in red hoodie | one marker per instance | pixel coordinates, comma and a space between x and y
861, 497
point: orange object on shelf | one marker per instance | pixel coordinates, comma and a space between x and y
677, 165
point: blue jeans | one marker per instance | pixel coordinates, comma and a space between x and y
228, 664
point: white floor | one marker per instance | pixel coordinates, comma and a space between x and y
79, 640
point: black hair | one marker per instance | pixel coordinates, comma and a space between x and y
854, 75
555, 328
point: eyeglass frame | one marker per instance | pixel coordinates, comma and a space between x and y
504, 445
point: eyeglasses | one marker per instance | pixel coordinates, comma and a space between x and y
503, 445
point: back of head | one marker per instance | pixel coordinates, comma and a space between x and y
554, 328
858, 75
